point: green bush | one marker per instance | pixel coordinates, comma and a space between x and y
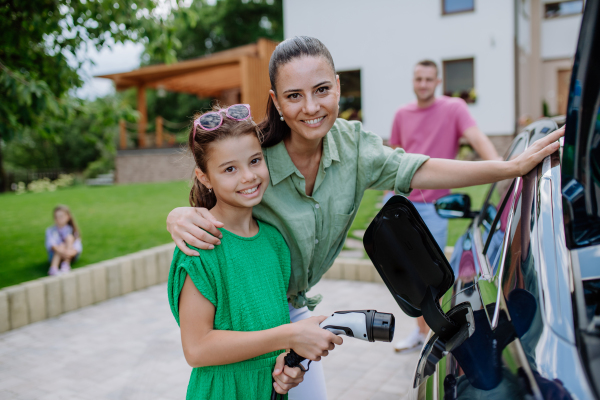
46, 185
84, 141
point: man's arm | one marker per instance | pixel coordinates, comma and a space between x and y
481, 143
395, 141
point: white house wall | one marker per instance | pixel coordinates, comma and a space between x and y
559, 37
385, 38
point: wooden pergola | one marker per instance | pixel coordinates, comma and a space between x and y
232, 76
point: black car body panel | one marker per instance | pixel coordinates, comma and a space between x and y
514, 269
581, 168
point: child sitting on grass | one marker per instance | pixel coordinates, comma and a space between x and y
231, 302
63, 241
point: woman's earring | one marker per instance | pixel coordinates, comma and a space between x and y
209, 190
281, 117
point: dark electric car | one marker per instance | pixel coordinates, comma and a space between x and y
519, 318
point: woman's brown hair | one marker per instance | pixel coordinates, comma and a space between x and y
71, 222
199, 146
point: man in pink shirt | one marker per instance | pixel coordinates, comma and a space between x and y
433, 126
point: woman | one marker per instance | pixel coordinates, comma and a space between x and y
320, 167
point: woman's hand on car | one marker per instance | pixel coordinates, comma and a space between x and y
536, 153
284, 377
310, 340
194, 226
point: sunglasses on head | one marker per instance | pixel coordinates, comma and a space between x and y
213, 120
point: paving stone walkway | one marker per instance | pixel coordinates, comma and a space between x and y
129, 348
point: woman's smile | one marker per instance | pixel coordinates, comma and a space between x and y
315, 122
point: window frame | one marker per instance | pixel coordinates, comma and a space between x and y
562, 16
359, 75
456, 60
482, 247
444, 13
486, 266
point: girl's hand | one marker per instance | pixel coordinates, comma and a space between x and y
194, 226
285, 377
311, 341
536, 153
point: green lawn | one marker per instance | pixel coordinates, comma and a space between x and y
367, 210
118, 220
456, 227
114, 220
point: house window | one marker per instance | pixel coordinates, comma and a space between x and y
457, 6
459, 79
563, 9
350, 99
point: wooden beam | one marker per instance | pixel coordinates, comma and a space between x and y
159, 131
204, 81
162, 71
142, 109
265, 47
122, 135
255, 85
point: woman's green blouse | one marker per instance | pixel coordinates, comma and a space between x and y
316, 226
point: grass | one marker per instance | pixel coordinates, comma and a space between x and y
456, 227
366, 211
114, 221
118, 220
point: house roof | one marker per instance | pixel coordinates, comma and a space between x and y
205, 76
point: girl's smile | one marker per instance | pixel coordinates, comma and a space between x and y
251, 192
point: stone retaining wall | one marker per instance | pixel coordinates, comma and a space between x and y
352, 269
52, 296
153, 165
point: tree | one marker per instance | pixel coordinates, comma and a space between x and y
88, 137
41, 42
203, 29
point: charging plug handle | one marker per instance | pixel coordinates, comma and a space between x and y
368, 325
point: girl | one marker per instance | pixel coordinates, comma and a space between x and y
320, 168
231, 303
63, 241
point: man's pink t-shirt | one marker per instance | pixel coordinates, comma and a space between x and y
433, 131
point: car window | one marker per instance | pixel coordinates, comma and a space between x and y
497, 202
494, 250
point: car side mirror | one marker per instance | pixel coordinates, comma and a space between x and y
455, 205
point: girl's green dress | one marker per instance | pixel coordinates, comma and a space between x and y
246, 279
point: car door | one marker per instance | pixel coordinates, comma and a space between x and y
581, 191
474, 272
497, 369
